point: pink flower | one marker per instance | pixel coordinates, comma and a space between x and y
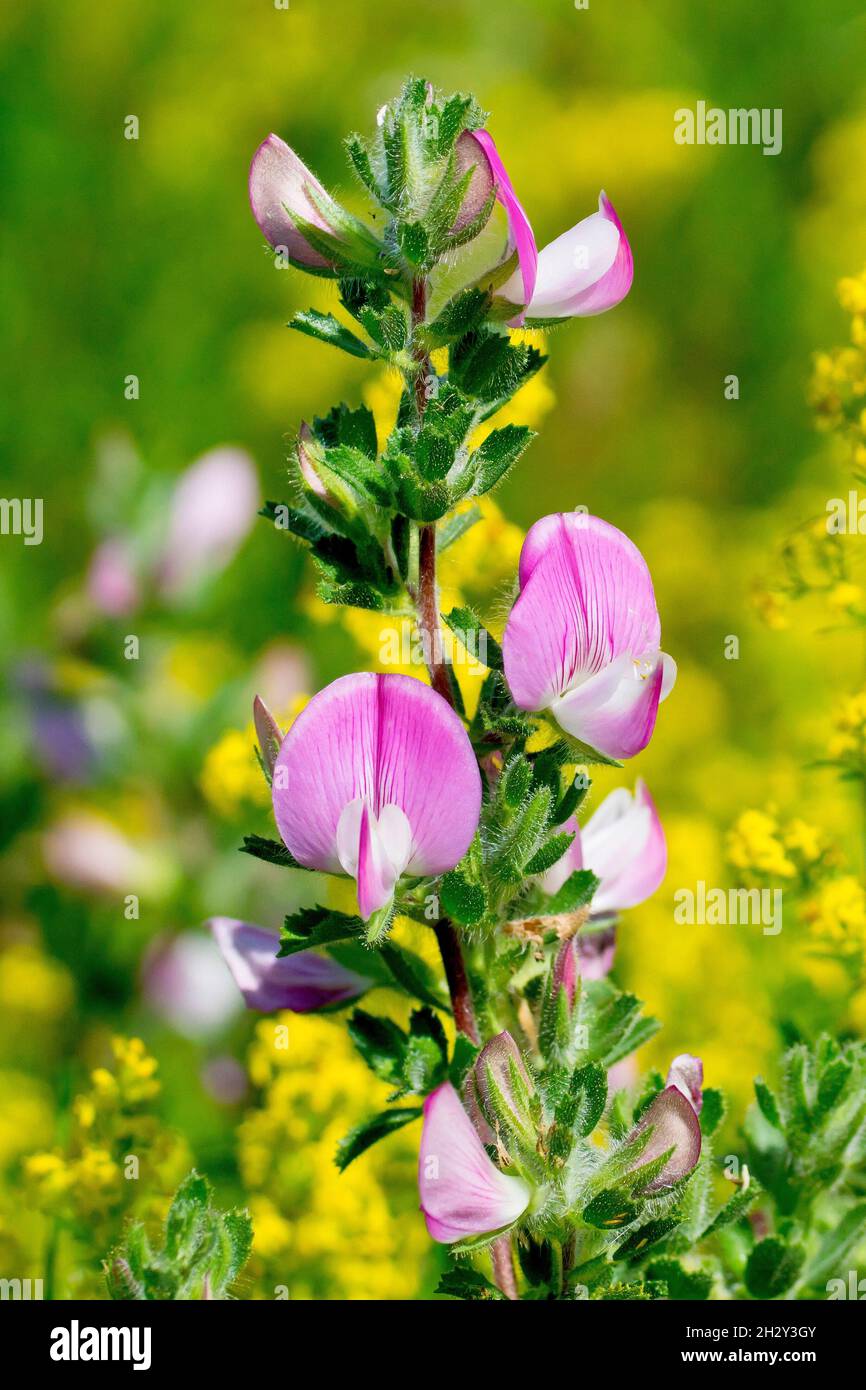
186, 983
588, 955
582, 640
687, 1074
674, 1126
112, 581
623, 843
585, 271
302, 982
281, 186
520, 235
212, 509
462, 1193
377, 778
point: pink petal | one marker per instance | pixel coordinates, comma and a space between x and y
213, 507
387, 740
624, 844
595, 953
586, 599
520, 235
112, 582
462, 1193
278, 186
553, 878
302, 982
585, 271
675, 1125
470, 153
686, 1073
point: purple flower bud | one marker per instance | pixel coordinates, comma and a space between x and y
268, 733
687, 1074
674, 1126
501, 1085
281, 186
565, 971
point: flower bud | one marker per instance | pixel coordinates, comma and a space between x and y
674, 1126
268, 733
502, 1089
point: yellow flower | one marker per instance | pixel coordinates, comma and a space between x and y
755, 844
32, 983
852, 293
845, 596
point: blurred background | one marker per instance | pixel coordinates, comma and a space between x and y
145, 337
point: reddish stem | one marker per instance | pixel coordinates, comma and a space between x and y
502, 1256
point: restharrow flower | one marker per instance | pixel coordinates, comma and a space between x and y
462, 1193
582, 640
520, 235
687, 1074
585, 271
675, 1126
302, 982
377, 778
284, 192
623, 843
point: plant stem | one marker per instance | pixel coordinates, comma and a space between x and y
427, 605
502, 1256
458, 982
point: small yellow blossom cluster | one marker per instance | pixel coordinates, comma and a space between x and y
847, 746
837, 918
837, 390
231, 779
319, 1232
760, 846
814, 560
116, 1149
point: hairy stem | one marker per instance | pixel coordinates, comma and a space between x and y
458, 982
502, 1256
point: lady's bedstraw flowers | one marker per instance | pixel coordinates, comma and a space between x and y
377, 778
463, 1193
582, 640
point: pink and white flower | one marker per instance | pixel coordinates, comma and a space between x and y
284, 192
377, 778
462, 1192
675, 1126
585, 271
303, 982
582, 640
623, 843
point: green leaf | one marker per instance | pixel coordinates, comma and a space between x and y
468, 1284
576, 892
832, 1083
610, 1210
316, 926
712, 1111
328, 329
369, 1132
549, 854
767, 1103
426, 1057
772, 1267
475, 637
837, 1246
498, 453
462, 313
461, 900
462, 1058
381, 1043
271, 852
343, 425
693, 1284
413, 975
734, 1209
412, 240
646, 1236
